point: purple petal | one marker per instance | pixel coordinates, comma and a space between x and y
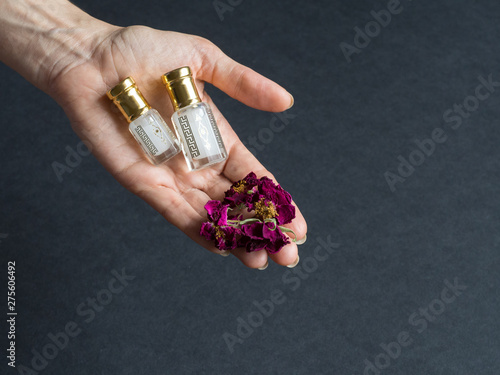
228, 240
212, 206
208, 231
275, 193
253, 230
251, 180
243, 241
217, 212
286, 213
269, 233
274, 247
256, 245
235, 199
276, 238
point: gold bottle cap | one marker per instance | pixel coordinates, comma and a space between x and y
129, 99
181, 87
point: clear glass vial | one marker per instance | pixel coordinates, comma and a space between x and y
193, 121
146, 125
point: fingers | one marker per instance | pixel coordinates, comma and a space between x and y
286, 256
256, 259
240, 82
174, 207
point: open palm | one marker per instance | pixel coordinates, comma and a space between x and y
146, 54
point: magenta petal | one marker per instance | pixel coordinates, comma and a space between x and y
235, 199
283, 196
251, 180
259, 236
286, 213
274, 247
264, 180
228, 241
256, 246
208, 231
217, 212
213, 207
253, 230
277, 239
225, 237
275, 193
270, 234
243, 241
223, 215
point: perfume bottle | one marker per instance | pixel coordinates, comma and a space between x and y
193, 121
146, 125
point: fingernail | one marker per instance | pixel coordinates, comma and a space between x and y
294, 263
263, 268
225, 253
302, 241
292, 101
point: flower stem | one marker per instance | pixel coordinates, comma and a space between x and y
285, 230
242, 222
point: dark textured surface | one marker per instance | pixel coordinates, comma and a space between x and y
353, 120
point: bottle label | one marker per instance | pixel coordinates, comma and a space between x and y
189, 136
146, 140
215, 128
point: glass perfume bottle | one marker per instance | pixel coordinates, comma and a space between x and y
146, 125
193, 121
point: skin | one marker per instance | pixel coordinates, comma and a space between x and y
76, 59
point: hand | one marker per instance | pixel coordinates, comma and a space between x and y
79, 81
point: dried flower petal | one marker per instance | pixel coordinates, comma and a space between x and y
217, 212
286, 213
272, 206
225, 237
238, 192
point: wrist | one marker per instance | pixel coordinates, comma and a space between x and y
42, 40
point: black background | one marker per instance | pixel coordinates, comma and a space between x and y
353, 120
